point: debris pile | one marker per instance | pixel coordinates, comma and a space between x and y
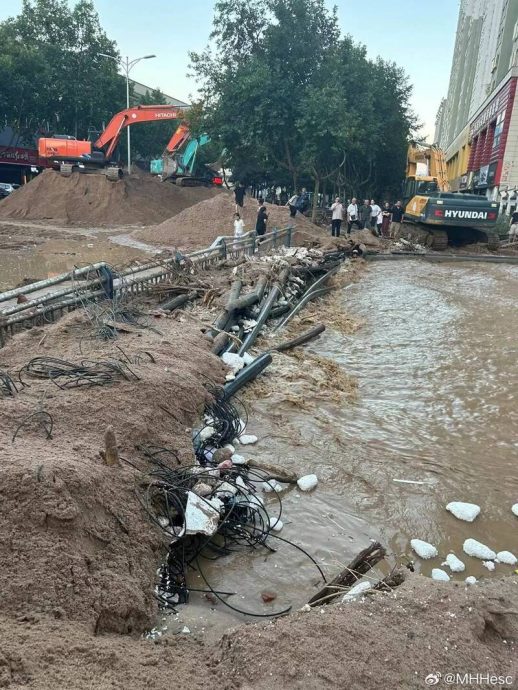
94, 200
199, 225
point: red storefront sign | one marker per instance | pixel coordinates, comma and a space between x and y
18, 156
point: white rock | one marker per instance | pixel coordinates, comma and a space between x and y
247, 439
439, 574
356, 591
185, 630
489, 565
270, 486
423, 549
454, 563
470, 580
239, 459
514, 509
230, 448
206, 433
308, 482
474, 548
276, 524
230, 377
248, 359
506, 557
233, 361
163, 522
463, 511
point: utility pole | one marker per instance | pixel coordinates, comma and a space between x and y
127, 65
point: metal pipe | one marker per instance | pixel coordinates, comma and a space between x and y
246, 375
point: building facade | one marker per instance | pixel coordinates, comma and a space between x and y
477, 124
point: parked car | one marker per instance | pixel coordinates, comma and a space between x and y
7, 188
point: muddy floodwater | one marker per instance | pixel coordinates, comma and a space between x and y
436, 365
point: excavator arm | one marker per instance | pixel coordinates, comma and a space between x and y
109, 139
433, 158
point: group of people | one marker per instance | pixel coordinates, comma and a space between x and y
384, 222
239, 223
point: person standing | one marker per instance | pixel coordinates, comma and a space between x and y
292, 205
513, 228
262, 217
337, 217
379, 223
303, 201
352, 216
365, 214
374, 214
397, 218
239, 229
239, 195
386, 216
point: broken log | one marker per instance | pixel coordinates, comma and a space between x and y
111, 452
360, 565
301, 339
179, 301
276, 473
393, 580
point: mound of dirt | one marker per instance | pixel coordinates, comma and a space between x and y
77, 544
94, 200
199, 225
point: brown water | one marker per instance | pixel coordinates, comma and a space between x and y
436, 364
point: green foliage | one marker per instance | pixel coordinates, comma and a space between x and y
288, 97
52, 77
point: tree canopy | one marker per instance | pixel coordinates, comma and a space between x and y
289, 98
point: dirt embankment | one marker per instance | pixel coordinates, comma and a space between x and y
76, 543
94, 200
200, 224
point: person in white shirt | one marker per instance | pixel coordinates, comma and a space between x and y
375, 211
379, 222
352, 216
338, 215
239, 229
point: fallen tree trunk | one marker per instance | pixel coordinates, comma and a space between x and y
360, 565
252, 297
178, 301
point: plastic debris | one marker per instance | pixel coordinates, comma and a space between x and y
308, 482
200, 516
206, 432
489, 565
440, 575
454, 563
410, 481
506, 557
463, 511
247, 439
514, 509
356, 591
423, 549
233, 361
470, 580
474, 548
276, 524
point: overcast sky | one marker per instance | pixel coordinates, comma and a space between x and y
416, 34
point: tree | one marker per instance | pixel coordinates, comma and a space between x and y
57, 81
285, 94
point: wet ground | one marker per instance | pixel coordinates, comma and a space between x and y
435, 361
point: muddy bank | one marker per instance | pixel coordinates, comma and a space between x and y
387, 642
76, 543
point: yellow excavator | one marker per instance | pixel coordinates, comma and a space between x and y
447, 216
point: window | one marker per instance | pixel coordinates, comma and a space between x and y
498, 129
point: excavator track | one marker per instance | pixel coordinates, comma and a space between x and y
66, 169
438, 240
113, 174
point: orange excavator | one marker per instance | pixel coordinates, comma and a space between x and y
67, 154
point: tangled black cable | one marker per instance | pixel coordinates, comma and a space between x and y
70, 375
8, 387
45, 420
224, 422
243, 522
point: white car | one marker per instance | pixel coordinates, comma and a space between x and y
7, 188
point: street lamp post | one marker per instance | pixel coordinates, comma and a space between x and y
127, 65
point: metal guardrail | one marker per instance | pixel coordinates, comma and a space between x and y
88, 284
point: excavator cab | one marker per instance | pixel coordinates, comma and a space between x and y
419, 186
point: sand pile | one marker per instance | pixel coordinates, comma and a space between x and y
199, 225
94, 200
